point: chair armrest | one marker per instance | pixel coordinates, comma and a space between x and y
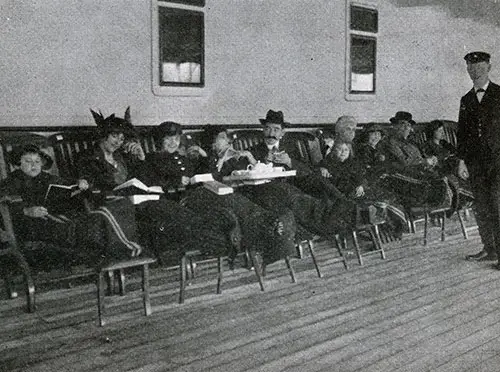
8, 226
10, 199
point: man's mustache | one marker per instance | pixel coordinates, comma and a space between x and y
273, 137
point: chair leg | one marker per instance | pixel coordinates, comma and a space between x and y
30, 292
145, 290
100, 298
290, 269
377, 241
338, 244
30, 285
110, 278
462, 225
9, 287
356, 246
466, 214
192, 268
248, 260
413, 226
182, 279
256, 265
313, 256
443, 223
426, 226
121, 282
220, 269
300, 250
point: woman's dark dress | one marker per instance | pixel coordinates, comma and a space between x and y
258, 225
447, 166
165, 226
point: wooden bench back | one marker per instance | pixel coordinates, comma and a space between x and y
64, 146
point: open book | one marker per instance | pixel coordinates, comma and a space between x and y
57, 194
134, 187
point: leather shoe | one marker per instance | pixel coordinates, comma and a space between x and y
481, 256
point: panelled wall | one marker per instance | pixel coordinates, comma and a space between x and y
62, 57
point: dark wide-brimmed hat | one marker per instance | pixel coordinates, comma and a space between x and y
475, 57
167, 128
402, 116
114, 124
274, 117
18, 151
374, 127
209, 133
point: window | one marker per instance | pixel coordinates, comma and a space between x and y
178, 46
363, 29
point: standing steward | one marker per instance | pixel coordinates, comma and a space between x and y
478, 142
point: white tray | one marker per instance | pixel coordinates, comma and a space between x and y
252, 175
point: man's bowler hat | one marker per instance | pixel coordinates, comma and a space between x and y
274, 117
402, 116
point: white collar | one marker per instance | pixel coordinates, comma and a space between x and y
270, 147
485, 86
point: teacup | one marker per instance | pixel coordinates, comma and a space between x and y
260, 167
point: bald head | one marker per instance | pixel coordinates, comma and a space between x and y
345, 128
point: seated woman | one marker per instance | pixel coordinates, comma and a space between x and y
412, 177
349, 177
271, 234
447, 162
62, 222
369, 153
165, 226
322, 217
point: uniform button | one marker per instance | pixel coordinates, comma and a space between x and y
182, 168
179, 162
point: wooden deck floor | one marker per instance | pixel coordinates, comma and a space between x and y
422, 309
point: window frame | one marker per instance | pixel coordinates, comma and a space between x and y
174, 89
350, 33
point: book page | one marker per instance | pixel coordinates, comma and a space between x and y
55, 192
134, 182
204, 177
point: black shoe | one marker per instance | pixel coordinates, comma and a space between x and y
481, 256
497, 266
489, 257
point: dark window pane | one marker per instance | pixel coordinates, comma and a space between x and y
185, 2
363, 63
181, 46
364, 19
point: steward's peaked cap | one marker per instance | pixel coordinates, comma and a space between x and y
475, 57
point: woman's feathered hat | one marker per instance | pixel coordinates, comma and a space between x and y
113, 124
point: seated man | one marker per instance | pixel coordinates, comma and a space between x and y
414, 176
400, 151
276, 148
322, 217
271, 234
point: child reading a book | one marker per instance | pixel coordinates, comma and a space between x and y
35, 220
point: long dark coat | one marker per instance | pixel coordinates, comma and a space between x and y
478, 144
